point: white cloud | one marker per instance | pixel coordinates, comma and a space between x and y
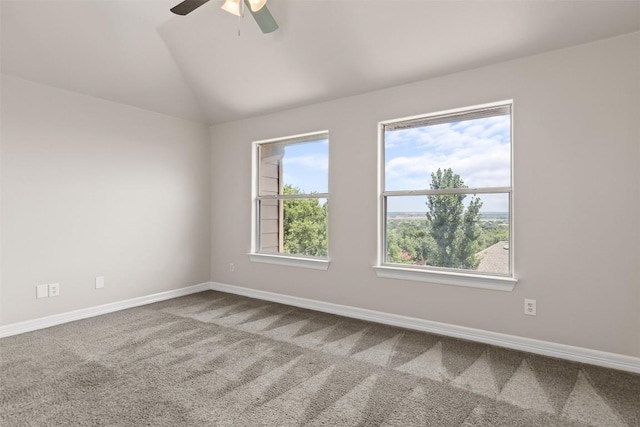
478, 168
477, 150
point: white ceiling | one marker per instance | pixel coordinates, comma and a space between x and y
197, 67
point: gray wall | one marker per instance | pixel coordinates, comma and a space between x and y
577, 198
94, 188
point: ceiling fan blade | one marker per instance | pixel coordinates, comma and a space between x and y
187, 6
263, 18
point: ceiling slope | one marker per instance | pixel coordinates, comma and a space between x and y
107, 49
198, 67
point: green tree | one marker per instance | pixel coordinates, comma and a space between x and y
409, 242
455, 230
304, 225
493, 232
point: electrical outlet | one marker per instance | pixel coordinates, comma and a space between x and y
99, 282
54, 289
530, 307
42, 291
232, 267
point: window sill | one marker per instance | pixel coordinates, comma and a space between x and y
291, 261
495, 283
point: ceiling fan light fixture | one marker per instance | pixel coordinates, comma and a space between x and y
256, 5
257, 8
232, 6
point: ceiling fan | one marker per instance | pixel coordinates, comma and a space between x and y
258, 9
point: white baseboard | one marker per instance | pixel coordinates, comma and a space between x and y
57, 319
545, 348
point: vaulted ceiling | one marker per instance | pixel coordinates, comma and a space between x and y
198, 67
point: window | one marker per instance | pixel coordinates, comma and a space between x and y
446, 198
291, 200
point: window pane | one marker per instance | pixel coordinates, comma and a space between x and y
295, 165
476, 149
300, 167
303, 230
460, 231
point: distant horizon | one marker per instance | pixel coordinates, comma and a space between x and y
391, 214
484, 213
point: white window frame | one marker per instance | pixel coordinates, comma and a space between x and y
255, 255
440, 275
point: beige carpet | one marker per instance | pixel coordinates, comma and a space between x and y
215, 359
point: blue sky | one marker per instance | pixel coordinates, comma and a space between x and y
478, 150
306, 166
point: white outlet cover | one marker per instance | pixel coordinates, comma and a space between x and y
54, 289
42, 291
530, 307
99, 282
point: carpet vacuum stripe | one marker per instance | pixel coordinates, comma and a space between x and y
215, 359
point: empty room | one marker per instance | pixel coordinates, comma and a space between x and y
320, 213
